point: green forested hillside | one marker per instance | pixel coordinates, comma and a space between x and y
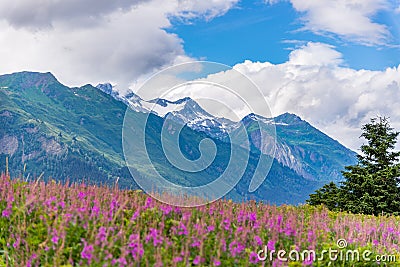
76, 134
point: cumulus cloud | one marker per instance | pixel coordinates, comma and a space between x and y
352, 20
96, 41
207, 9
334, 98
43, 13
316, 54
338, 100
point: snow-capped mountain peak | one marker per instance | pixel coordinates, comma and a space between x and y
162, 107
291, 147
105, 87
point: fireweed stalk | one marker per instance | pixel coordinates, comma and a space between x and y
54, 224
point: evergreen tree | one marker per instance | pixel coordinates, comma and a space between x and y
371, 186
327, 195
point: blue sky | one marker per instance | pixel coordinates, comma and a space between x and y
257, 31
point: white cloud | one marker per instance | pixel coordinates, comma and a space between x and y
349, 19
208, 9
316, 54
96, 41
44, 13
335, 99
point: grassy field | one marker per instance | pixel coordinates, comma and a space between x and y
51, 224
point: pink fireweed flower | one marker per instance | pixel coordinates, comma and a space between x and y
87, 252
258, 240
197, 260
10, 199
271, 245
134, 237
253, 217
6, 213
136, 248
227, 224
81, 209
186, 216
197, 226
50, 201
279, 220
253, 258
101, 236
61, 204
217, 263
210, 228
122, 261
236, 248
211, 211
309, 260
223, 244
240, 216
177, 210
196, 243
135, 215
137, 252
177, 259
29, 263
81, 195
149, 203
17, 243
358, 227
153, 235
310, 236
67, 217
55, 239
166, 209
95, 209
114, 205
289, 230
182, 229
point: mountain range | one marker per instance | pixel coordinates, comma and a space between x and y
75, 134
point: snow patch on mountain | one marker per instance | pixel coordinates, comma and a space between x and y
163, 110
188, 112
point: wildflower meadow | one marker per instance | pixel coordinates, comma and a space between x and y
54, 224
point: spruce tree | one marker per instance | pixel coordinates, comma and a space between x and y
327, 195
372, 185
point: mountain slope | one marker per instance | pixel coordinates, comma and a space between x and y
58, 130
76, 134
298, 145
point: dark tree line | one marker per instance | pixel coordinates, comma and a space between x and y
372, 185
